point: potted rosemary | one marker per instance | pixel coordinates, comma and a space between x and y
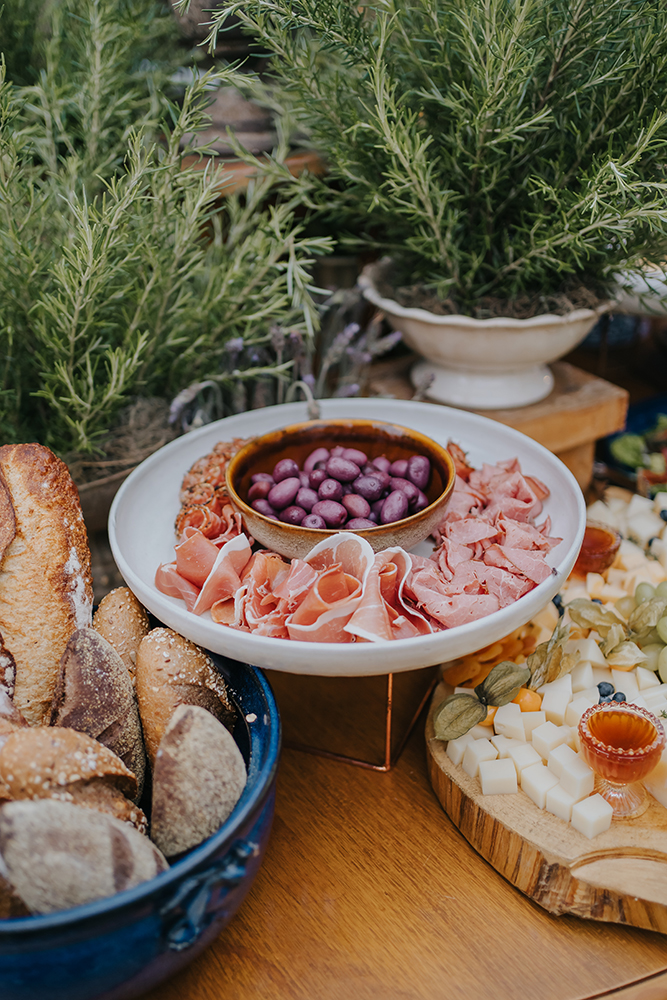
507, 158
134, 300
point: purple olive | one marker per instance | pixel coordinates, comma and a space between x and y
313, 521
420, 502
394, 508
360, 522
373, 518
305, 479
376, 508
356, 506
316, 478
330, 489
284, 492
399, 467
381, 462
333, 513
419, 471
306, 498
319, 455
356, 456
292, 515
405, 486
339, 468
260, 490
337, 451
262, 477
285, 469
369, 487
263, 507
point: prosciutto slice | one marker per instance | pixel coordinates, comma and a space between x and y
327, 608
195, 557
382, 612
224, 578
170, 582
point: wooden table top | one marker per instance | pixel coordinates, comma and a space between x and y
368, 892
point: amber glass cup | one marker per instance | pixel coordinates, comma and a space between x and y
622, 743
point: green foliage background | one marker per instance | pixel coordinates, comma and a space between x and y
123, 275
492, 147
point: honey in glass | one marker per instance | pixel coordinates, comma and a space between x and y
598, 549
622, 743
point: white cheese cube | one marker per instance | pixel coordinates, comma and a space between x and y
660, 501
656, 782
646, 679
547, 736
456, 748
602, 513
601, 674
563, 683
531, 720
498, 777
554, 705
523, 755
638, 701
624, 680
503, 744
642, 527
592, 692
559, 802
476, 751
629, 556
582, 676
576, 709
559, 757
480, 732
657, 708
508, 721
594, 584
588, 649
577, 778
639, 505
536, 781
591, 816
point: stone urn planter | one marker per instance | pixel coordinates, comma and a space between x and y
482, 364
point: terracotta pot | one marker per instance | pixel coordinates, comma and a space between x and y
483, 364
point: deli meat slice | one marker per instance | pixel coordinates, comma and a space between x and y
529, 564
170, 582
224, 578
195, 557
382, 612
327, 608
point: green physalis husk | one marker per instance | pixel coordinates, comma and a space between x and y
457, 715
502, 684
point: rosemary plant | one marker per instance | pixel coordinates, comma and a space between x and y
492, 147
123, 275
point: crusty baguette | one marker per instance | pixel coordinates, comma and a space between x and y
10, 717
57, 855
172, 671
45, 582
53, 763
198, 779
123, 621
94, 695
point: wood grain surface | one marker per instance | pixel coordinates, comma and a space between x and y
618, 876
369, 892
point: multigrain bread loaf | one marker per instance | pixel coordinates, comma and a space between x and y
43, 763
94, 695
172, 671
45, 582
198, 778
123, 622
57, 855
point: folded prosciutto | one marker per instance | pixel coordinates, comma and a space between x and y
489, 553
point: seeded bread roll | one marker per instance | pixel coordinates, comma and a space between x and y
57, 855
41, 763
172, 671
45, 582
123, 621
198, 779
94, 695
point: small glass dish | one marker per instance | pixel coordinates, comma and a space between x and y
622, 743
598, 549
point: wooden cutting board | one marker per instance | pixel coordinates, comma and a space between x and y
619, 876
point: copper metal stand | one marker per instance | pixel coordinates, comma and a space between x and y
315, 707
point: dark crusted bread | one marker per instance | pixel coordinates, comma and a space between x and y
57, 855
172, 671
123, 621
43, 763
94, 695
45, 582
198, 778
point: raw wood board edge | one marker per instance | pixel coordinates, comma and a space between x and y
620, 876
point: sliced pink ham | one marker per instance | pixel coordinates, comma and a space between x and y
224, 578
170, 582
195, 557
327, 608
383, 612
530, 564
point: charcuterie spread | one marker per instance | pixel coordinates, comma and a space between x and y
88, 709
489, 550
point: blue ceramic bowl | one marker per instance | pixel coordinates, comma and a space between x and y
118, 948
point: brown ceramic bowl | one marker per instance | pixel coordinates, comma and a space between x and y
375, 438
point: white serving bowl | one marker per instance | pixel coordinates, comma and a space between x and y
141, 532
484, 364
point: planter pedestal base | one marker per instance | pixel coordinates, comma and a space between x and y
483, 390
